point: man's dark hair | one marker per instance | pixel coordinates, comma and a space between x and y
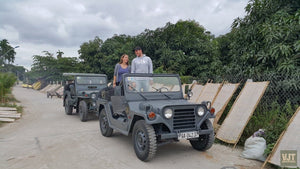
137, 48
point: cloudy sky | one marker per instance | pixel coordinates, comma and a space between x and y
52, 25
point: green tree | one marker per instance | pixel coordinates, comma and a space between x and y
59, 54
48, 68
88, 53
6, 82
7, 53
267, 38
111, 51
185, 48
100, 57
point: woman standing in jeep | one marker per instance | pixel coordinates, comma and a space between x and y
121, 68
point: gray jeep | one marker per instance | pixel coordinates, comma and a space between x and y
152, 108
82, 93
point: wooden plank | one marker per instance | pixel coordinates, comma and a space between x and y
288, 140
8, 108
7, 120
10, 115
8, 112
241, 112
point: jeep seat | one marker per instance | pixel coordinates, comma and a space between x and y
106, 93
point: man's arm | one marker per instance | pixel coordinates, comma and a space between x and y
150, 70
133, 66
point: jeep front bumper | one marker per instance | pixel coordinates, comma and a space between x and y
176, 134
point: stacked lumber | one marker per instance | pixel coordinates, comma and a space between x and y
9, 114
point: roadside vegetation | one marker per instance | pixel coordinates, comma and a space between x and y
7, 80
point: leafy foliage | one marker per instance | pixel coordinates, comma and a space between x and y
267, 39
7, 80
7, 52
184, 48
50, 68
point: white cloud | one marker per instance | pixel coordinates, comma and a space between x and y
38, 25
9, 32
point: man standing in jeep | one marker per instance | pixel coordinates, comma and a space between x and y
141, 64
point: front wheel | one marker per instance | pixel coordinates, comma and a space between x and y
204, 142
83, 111
144, 140
104, 126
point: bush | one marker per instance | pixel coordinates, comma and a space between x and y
273, 121
186, 79
7, 80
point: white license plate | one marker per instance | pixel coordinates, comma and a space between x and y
187, 135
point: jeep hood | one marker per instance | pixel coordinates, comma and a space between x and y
162, 103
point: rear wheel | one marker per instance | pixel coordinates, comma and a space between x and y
144, 140
83, 111
104, 126
204, 142
68, 108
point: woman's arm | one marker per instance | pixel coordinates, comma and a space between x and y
115, 75
115, 80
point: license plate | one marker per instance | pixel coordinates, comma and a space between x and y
188, 135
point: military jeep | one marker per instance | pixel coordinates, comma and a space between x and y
152, 108
82, 93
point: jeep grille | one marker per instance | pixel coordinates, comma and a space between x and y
184, 119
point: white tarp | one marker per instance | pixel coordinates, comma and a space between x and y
241, 112
196, 92
222, 99
209, 92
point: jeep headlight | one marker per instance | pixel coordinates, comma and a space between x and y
93, 96
168, 113
200, 111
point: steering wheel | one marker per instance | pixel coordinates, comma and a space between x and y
160, 89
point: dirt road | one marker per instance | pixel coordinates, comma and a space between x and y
47, 138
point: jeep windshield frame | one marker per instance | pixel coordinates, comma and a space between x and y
139, 86
90, 80
87, 83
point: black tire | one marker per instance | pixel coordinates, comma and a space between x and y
144, 140
104, 126
83, 111
68, 108
204, 142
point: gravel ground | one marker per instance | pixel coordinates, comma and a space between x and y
45, 137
